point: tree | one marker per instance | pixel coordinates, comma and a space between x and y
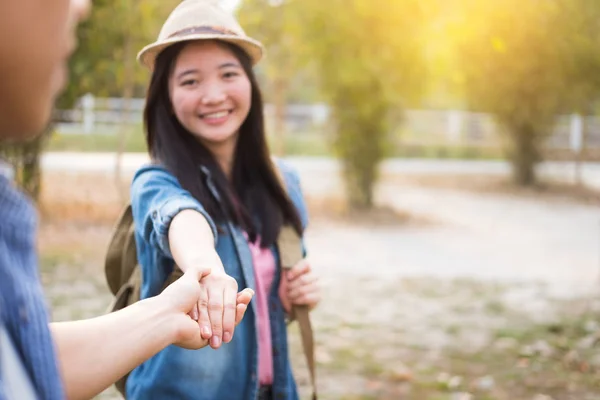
275, 24
24, 159
369, 60
104, 62
525, 62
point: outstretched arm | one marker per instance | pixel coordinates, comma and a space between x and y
95, 353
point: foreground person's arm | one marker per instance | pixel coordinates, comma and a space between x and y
95, 353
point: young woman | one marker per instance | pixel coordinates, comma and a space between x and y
212, 198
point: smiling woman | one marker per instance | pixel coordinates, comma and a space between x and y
212, 199
211, 97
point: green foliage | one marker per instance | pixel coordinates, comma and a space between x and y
286, 73
525, 62
369, 59
277, 26
364, 57
104, 63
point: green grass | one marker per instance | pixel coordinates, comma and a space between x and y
135, 142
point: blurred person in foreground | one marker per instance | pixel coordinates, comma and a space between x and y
79, 359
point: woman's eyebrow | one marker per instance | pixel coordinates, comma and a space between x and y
229, 64
187, 72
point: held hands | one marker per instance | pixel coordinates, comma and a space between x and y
299, 286
217, 307
210, 307
200, 301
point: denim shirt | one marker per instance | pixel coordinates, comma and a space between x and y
231, 372
23, 308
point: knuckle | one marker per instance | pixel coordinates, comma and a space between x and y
203, 303
204, 318
215, 306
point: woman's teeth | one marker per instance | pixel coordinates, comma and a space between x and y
216, 115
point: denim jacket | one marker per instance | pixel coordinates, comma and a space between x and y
231, 372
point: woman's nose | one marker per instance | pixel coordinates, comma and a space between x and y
213, 93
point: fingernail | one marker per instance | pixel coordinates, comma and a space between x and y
215, 341
226, 337
205, 331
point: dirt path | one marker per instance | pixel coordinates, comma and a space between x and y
460, 299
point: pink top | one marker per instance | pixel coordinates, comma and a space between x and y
264, 272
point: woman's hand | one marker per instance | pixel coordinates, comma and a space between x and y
192, 245
300, 286
217, 307
186, 294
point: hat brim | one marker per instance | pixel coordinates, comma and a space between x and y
148, 54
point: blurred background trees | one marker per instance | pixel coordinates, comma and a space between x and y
328, 38
524, 63
386, 38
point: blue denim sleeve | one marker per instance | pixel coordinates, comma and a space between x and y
156, 198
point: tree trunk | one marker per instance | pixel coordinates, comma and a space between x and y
31, 174
359, 185
524, 154
579, 154
25, 161
360, 142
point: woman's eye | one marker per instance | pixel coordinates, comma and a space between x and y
230, 74
189, 82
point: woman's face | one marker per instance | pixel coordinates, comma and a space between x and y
210, 94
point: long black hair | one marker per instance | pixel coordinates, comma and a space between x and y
254, 198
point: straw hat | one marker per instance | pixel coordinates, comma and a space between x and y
200, 20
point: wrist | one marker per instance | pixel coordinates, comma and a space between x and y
166, 317
209, 260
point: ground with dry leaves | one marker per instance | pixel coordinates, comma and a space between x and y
449, 293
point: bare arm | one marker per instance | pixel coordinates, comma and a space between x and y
192, 242
95, 353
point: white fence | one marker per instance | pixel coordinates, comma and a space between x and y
420, 127
95, 115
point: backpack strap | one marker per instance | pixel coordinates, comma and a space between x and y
290, 252
289, 244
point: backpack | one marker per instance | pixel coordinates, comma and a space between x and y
124, 278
